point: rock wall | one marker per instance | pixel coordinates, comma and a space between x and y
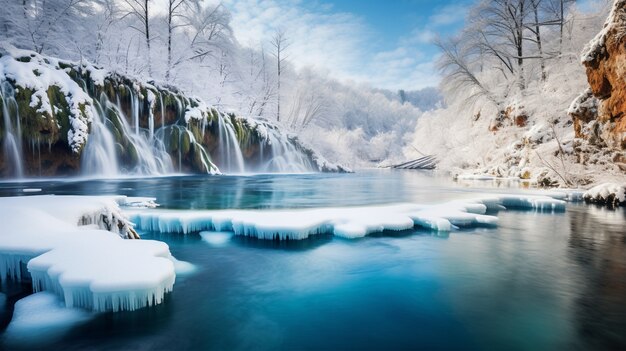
599, 114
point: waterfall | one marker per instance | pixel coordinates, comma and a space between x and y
126, 138
284, 157
100, 155
230, 156
12, 131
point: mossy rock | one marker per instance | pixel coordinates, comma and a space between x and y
185, 142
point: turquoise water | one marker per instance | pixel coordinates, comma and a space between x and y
538, 281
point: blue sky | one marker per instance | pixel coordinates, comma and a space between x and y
384, 44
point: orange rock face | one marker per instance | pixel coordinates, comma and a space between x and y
605, 61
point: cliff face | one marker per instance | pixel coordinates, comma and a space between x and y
600, 113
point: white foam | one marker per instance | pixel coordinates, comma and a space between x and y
31, 190
216, 239
351, 222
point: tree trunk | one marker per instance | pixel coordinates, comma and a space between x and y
278, 105
147, 30
169, 44
520, 45
538, 35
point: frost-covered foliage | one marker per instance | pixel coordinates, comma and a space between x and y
197, 52
85, 266
494, 125
354, 222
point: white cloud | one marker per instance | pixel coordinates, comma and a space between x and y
448, 15
339, 42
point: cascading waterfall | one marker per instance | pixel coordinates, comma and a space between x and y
125, 136
230, 156
284, 157
12, 131
100, 154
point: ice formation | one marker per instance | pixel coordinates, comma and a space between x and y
42, 318
351, 222
84, 265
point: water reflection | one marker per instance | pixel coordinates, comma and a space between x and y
597, 247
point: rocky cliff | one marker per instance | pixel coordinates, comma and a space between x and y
599, 114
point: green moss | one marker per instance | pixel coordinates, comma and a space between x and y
131, 154
172, 139
35, 125
116, 126
61, 114
23, 59
64, 65
185, 143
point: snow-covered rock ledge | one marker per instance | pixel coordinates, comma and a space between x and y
351, 222
84, 265
608, 194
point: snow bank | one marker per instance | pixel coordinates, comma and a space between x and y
103, 211
42, 318
611, 194
352, 222
87, 267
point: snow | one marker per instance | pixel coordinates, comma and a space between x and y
42, 318
606, 192
87, 267
349, 222
40, 74
197, 112
596, 46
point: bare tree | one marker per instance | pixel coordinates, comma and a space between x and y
280, 43
535, 28
504, 23
309, 102
210, 28
108, 16
174, 11
456, 67
42, 25
140, 10
557, 9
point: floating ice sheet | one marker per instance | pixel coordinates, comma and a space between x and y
86, 267
42, 318
351, 222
